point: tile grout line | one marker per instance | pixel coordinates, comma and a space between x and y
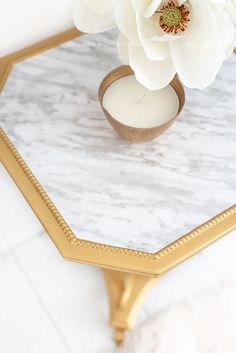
212, 268
41, 302
24, 242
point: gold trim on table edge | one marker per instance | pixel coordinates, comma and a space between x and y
7, 62
130, 286
112, 257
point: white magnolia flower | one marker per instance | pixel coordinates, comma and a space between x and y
94, 16
230, 8
190, 37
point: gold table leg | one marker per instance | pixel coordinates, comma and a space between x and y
126, 293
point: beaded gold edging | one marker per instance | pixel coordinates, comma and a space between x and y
56, 214
198, 231
92, 245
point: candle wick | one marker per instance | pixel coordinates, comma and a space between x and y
141, 99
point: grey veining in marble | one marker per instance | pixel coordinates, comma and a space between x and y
141, 196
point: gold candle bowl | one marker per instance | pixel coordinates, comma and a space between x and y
132, 133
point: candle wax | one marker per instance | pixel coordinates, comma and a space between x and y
134, 105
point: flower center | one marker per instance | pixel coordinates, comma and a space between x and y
173, 18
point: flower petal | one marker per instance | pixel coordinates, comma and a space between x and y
226, 37
151, 74
137, 3
230, 8
95, 5
126, 20
152, 8
196, 67
199, 56
123, 48
208, 26
94, 19
147, 29
109, 12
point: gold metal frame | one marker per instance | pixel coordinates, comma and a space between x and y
106, 256
129, 274
7, 62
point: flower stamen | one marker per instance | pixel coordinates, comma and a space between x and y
173, 18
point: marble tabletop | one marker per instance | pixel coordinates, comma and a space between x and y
50, 305
141, 196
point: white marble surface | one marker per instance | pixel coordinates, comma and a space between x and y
50, 305
140, 196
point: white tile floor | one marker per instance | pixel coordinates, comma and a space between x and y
50, 305
24, 322
14, 213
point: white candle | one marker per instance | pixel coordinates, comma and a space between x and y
134, 105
